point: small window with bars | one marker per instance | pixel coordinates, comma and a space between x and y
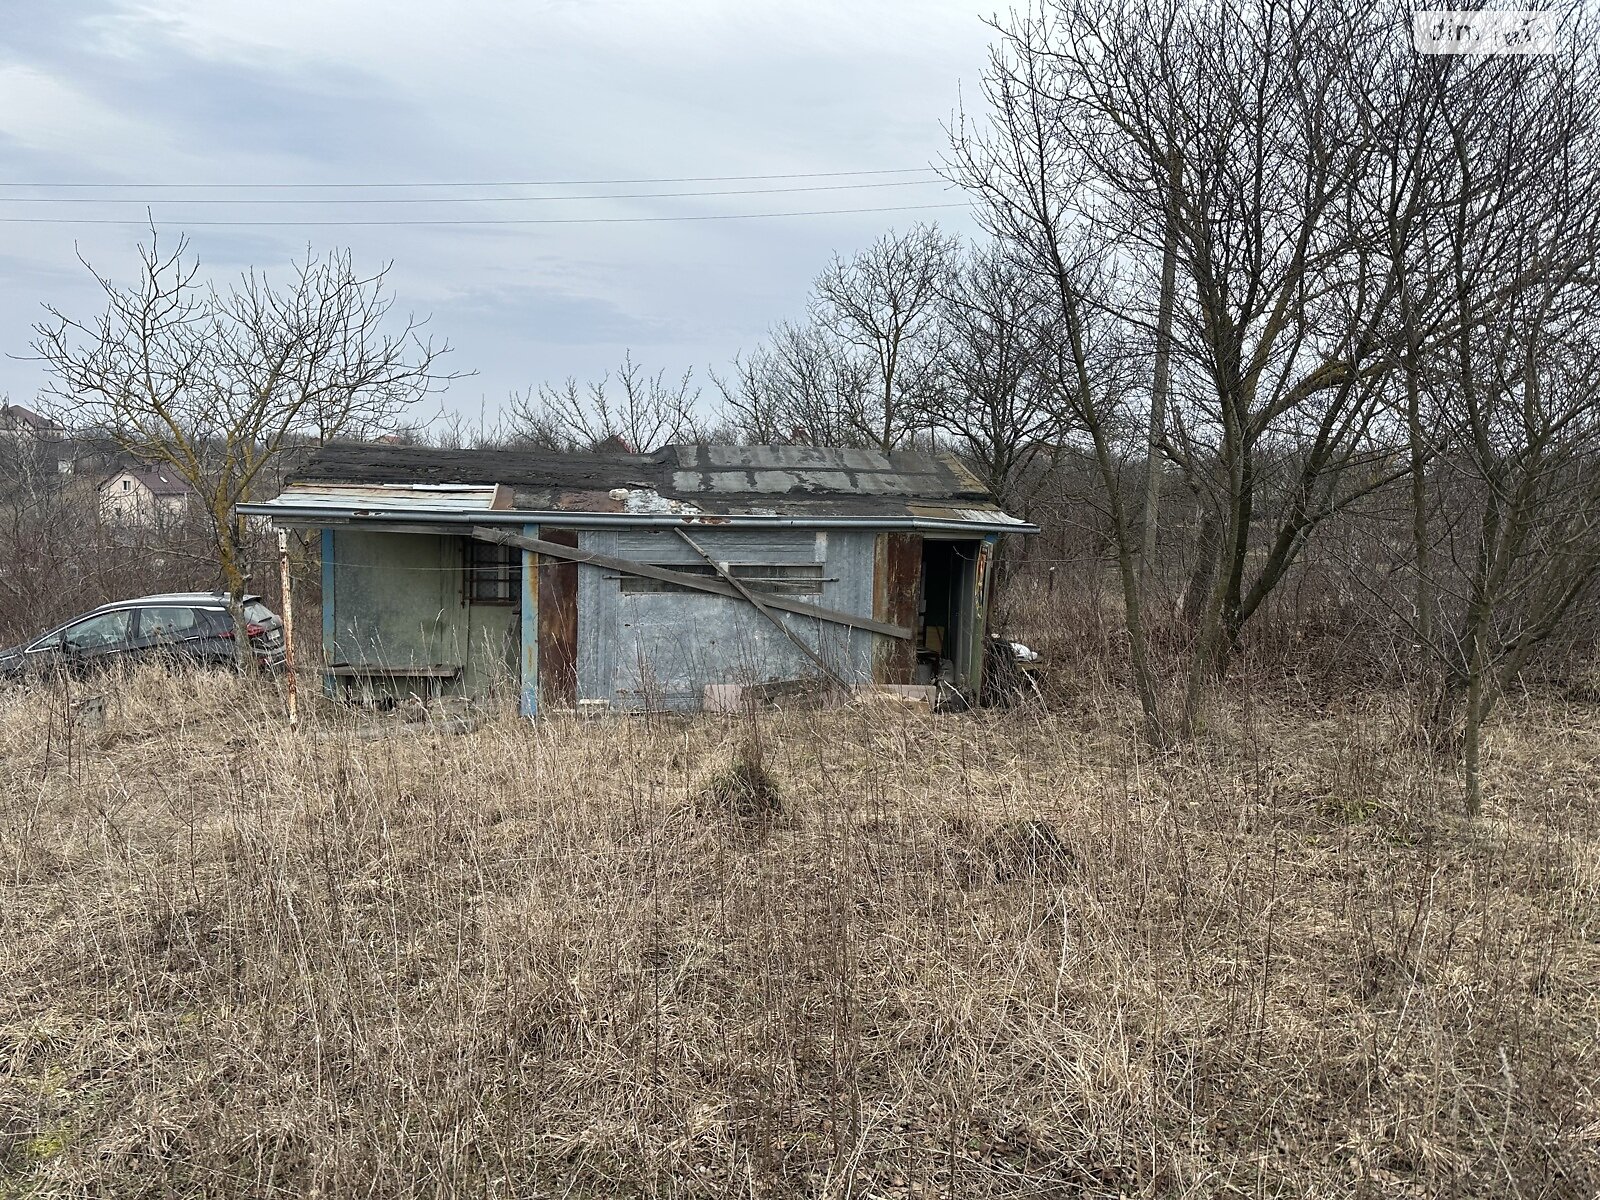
493, 573
789, 579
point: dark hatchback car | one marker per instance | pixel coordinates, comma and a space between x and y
180, 628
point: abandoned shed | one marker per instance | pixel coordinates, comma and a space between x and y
642, 580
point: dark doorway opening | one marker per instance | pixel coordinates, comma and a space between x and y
944, 622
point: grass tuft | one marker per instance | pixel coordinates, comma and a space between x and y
746, 790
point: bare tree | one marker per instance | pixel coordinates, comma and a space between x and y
218, 383
859, 371
1160, 382
884, 303
1512, 399
1026, 175
1242, 133
631, 409
801, 385
1228, 150
987, 389
1026, 167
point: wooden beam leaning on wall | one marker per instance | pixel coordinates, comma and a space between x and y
765, 609
698, 583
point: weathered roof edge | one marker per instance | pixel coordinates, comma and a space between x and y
746, 486
322, 515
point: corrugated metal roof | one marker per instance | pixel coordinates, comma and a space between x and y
396, 497
988, 514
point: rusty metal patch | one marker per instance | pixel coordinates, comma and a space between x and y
558, 626
896, 583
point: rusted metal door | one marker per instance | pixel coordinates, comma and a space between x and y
558, 626
896, 584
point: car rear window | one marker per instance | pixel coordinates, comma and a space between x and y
256, 611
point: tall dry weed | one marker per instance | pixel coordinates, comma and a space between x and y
980, 955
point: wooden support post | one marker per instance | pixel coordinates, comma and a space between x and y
982, 586
288, 628
329, 629
529, 634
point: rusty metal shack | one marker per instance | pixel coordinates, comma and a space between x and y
632, 581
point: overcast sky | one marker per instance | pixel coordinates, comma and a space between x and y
482, 91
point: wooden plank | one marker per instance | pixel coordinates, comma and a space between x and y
721, 569
699, 583
558, 625
896, 587
376, 671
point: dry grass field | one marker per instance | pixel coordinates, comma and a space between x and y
993, 954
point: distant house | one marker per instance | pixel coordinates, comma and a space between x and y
22, 425
36, 434
153, 496
632, 581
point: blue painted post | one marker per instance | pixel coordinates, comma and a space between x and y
328, 627
530, 627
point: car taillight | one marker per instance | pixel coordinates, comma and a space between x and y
251, 630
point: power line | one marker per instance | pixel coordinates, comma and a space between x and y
830, 187
496, 183
819, 212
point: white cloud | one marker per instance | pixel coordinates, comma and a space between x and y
332, 90
42, 113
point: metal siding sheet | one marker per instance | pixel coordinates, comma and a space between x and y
390, 607
665, 548
393, 497
850, 556
597, 616
976, 514
494, 638
398, 603
660, 649
847, 568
